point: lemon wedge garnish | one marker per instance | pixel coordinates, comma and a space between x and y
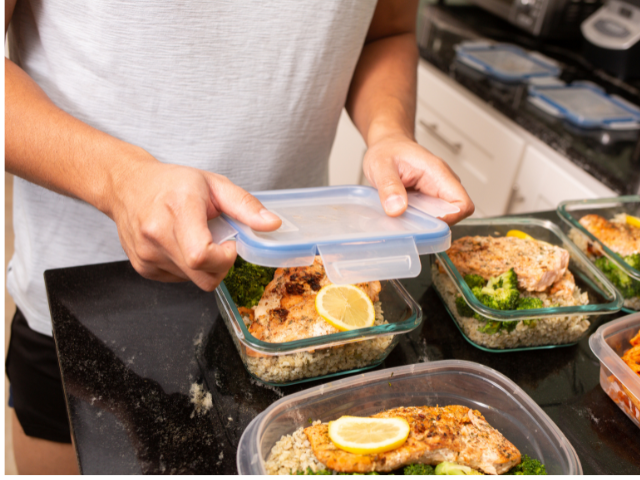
519, 234
633, 221
368, 435
346, 307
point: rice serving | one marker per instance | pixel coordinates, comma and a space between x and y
544, 331
314, 363
292, 453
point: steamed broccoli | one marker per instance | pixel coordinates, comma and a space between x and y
627, 286
633, 260
450, 468
463, 308
527, 303
474, 280
528, 466
501, 292
419, 469
246, 281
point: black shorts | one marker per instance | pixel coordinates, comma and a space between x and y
36, 386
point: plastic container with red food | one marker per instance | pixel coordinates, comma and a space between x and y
617, 379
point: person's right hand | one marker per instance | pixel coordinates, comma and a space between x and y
161, 211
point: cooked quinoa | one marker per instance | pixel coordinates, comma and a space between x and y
314, 363
292, 453
582, 242
544, 331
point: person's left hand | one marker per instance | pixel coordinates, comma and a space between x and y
397, 162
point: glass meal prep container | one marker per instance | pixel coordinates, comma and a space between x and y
621, 383
347, 227
572, 211
325, 356
448, 382
552, 326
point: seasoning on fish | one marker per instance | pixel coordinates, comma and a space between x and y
437, 434
620, 237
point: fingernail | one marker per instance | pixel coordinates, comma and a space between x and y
394, 204
269, 216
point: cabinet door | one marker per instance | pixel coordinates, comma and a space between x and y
542, 184
484, 152
345, 161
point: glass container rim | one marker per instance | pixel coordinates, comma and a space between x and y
334, 339
564, 209
546, 312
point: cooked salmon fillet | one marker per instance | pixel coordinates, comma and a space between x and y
287, 311
453, 433
622, 238
537, 264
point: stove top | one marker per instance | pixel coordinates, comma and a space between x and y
612, 157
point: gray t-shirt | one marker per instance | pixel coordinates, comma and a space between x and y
249, 89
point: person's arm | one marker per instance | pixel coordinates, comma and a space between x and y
161, 210
382, 104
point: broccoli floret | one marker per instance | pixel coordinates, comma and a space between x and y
527, 303
474, 280
308, 471
450, 468
501, 292
246, 281
419, 469
463, 308
627, 286
528, 466
633, 260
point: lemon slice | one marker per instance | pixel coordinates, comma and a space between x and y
519, 234
633, 221
346, 307
368, 435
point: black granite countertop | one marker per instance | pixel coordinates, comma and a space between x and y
611, 157
154, 383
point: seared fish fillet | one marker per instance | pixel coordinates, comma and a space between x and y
453, 433
622, 238
537, 265
287, 311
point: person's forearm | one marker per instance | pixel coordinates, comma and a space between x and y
382, 96
49, 147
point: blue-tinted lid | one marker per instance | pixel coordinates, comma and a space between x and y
506, 62
586, 105
348, 227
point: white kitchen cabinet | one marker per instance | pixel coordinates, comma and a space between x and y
483, 150
543, 182
345, 161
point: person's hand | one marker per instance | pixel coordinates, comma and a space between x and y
396, 163
161, 212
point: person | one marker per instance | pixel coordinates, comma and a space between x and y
128, 125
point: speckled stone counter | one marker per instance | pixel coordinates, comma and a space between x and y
154, 383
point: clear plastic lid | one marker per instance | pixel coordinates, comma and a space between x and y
586, 105
347, 227
506, 62
447, 382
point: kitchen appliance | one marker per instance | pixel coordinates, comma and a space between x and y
543, 18
612, 38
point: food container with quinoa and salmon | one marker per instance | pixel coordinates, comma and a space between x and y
617, 346
520, 284
443, 418
319, 297
607, 231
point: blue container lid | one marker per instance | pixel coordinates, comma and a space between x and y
347, 227
506, 62
586, 105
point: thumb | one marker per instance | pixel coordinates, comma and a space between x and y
239, 204
393, 196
